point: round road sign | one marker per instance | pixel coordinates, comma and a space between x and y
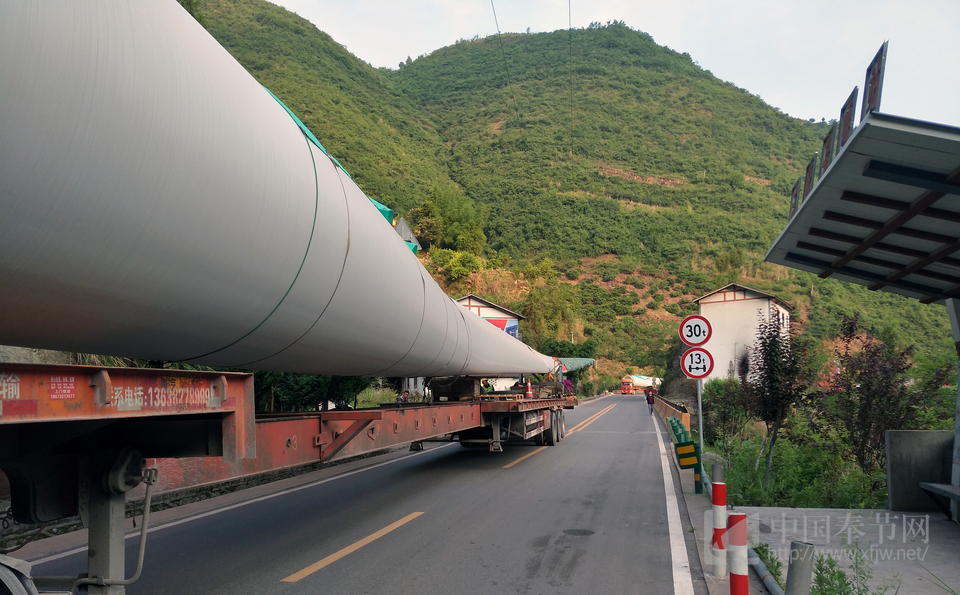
697, 363
695, 330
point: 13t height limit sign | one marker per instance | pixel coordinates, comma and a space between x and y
697, 363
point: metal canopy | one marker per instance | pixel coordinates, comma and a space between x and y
886, 213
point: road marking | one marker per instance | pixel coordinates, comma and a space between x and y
682, 582
349, 549
525, 457
78, 550
592, 419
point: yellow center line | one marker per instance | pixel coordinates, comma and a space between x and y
349, 549
591, 419
525, 457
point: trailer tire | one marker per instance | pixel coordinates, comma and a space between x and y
540, 439
562, 424
552, 430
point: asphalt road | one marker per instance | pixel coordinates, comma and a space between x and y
589, 515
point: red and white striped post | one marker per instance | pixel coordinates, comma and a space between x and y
737, 542
717, 545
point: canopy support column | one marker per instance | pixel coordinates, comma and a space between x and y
953, 310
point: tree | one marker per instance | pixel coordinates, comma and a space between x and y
773, 380
872, 392
555, 348
724, 411
426, 223
287, 392
550, 310
193, 7
655, 347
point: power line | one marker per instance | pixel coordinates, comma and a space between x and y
570, 71
503, 55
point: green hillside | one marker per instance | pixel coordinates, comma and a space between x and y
604, 180
623, 147
379, 135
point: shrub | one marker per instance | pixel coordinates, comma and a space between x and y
802, 476
462, 265
773, 563
441, 257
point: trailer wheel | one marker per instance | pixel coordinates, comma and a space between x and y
551, 433
10, 583
540, 439
562, 424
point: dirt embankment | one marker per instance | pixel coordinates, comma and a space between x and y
25, 355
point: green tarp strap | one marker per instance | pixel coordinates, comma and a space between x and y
575, 363
386, 211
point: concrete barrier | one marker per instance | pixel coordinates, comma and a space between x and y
914, 456
665, 409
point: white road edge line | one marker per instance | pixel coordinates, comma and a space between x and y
682, 581
240, 504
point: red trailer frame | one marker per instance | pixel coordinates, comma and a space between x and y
74, 439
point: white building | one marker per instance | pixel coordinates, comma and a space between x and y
498, 316
735, 313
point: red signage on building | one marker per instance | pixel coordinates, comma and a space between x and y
795, 198
846, 118
826, 155
873, 84
809, 177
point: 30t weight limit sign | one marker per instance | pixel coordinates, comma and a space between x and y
697, 363
695, 330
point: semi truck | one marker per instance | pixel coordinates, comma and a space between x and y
636, 384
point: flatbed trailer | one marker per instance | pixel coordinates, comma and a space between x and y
75, 439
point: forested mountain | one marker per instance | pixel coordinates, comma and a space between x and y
599, 140
642, 179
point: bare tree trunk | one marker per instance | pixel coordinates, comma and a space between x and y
763, 445
773, 441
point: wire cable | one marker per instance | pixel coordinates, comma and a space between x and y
503, 55
570, 70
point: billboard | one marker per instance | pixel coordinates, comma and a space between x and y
508, 325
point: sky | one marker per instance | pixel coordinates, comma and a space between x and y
801, 56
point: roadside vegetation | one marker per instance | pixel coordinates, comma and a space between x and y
816, 421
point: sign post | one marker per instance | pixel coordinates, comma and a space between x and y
697, 363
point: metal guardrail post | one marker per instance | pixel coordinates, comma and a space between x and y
698, 471
800, 571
